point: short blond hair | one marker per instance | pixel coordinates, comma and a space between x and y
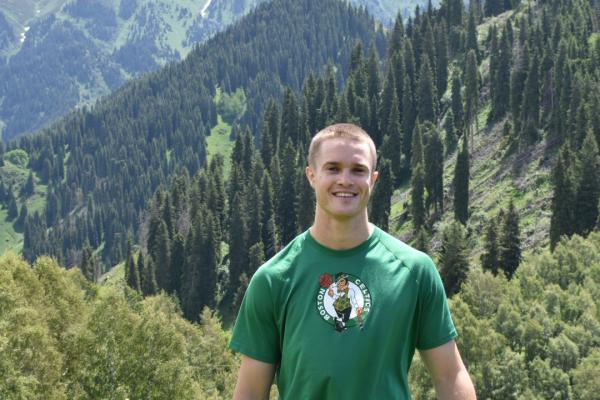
345, 131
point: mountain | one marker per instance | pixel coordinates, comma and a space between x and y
57, 54
100, 166
63, 54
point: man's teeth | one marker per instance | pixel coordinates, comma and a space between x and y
344, 194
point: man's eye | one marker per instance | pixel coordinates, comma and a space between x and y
333, 169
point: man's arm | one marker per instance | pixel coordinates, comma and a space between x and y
254, 380
450, 377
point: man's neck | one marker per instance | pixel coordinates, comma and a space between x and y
340, 234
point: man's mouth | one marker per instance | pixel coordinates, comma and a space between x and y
344, 194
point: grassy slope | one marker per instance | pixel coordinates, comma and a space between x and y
219, 143
496, 177
11, 237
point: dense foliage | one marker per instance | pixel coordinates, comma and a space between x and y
536, 336
62, 337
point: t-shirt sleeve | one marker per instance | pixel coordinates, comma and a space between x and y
434, 325
255, 333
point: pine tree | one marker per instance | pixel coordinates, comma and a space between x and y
562, 221
471, 91
530, 109
20, 222
255, 214
434, 170
3, 191
418, 197
453, 256
451, 134
372, 72
88, 263
517, 87
13, 210
441, 56
243, 283
290, 117
330, 92
305, 197
395, 43
471, 40
343, 112
238, 240
588, 188
168, 214
269, 228
455, 12
398, 72
394, 145
141, 267
285, 209
494, 56
270, 132
510, 242
457, 103
417, 147
489, 258
148, 278
461, 184
409, 117
422, 240
256, 258
381, 204
211, 258
309, 105
501, 78
132, 275
177, 264
427, 97
385, 106
247, 158
29, 187
161, 257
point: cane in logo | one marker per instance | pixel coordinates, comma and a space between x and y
343, 301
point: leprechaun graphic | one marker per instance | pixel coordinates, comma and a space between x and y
344, 300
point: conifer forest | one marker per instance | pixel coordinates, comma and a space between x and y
129, 229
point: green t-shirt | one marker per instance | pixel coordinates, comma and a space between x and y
343, 324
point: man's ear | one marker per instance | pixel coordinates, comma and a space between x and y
374, 177
310, 175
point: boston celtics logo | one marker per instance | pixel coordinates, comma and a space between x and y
343, 301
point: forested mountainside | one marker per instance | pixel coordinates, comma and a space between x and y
98, 167
56, 55
76, 51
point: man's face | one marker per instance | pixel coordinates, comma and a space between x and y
342, 178
342, 285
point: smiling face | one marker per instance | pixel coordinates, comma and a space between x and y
342, 176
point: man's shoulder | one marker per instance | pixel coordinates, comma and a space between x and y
405, 253
278, 265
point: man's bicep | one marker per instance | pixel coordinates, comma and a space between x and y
442, 359
448, 372
254, 379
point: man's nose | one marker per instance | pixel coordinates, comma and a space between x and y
344, 177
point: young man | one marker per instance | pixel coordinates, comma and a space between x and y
339, 312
